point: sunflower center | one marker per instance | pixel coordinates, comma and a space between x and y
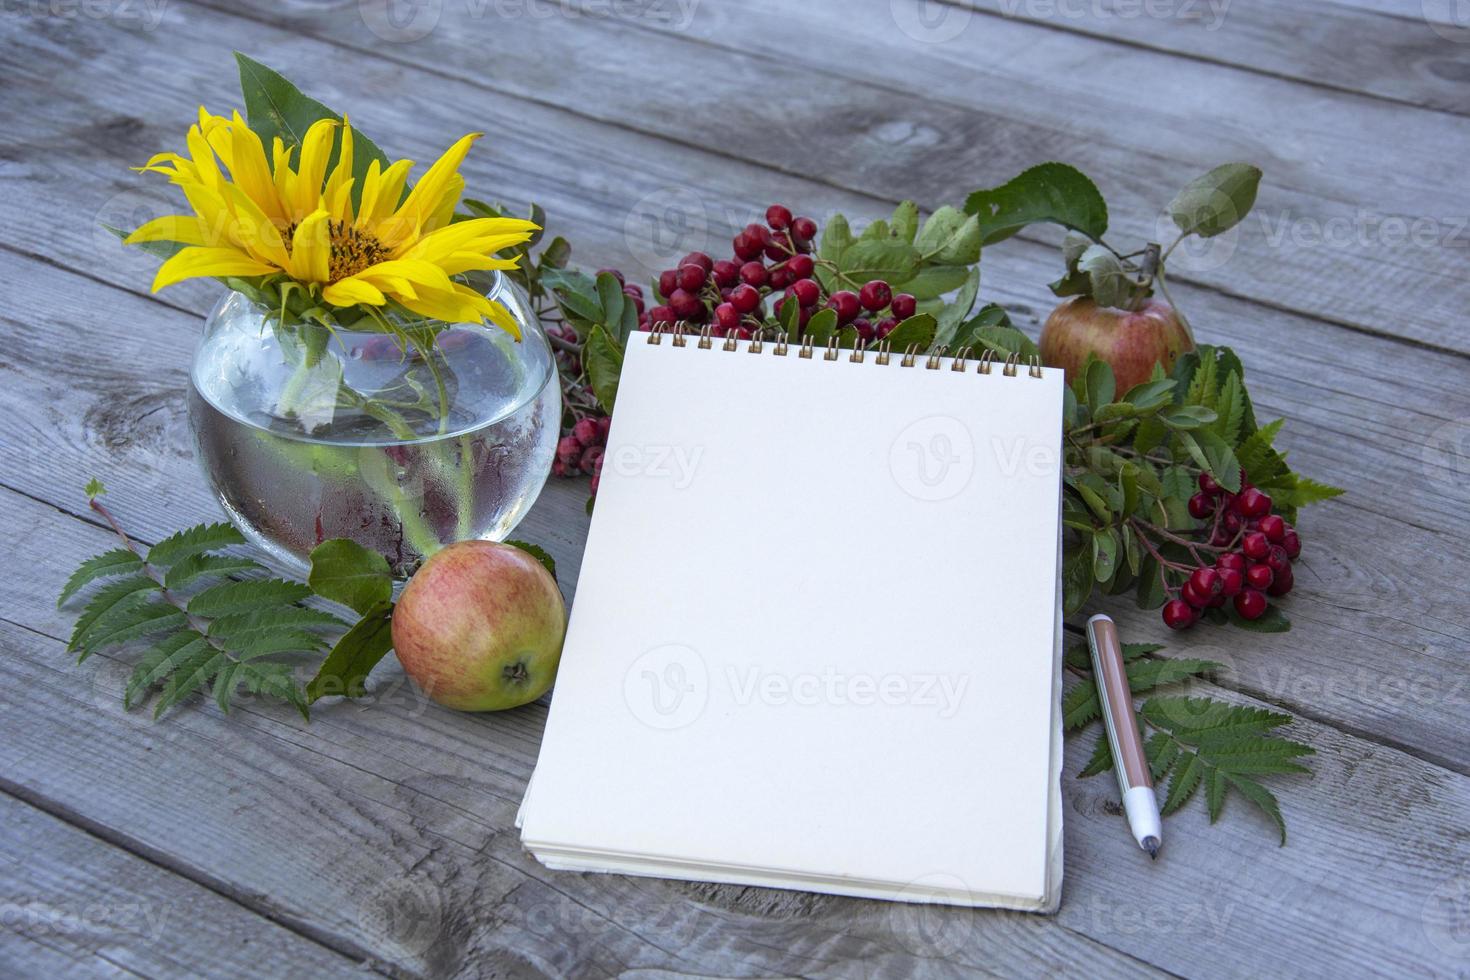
352, 249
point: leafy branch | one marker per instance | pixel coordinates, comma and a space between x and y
1190, 742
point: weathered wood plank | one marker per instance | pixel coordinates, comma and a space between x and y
1408, 59
389, 825
1398, 402
866, 106
406, 799
74, 904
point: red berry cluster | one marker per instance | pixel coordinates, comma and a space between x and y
580, 451
1256, 549
729, 294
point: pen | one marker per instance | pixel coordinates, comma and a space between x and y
1135, 782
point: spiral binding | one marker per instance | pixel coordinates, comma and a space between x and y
781, 346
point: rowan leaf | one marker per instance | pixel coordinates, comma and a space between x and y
118, 561
203, 537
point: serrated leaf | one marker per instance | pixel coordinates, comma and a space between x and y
189, 676
118, 561
1217, 201
603, 360
358, 651
1081, 704
537, 552
1182, 784
344, 571
243, 628
1051, 192
192, 541
1257, 454
224, 686
1263, 798
1215, 785
160, 661
288, 639
1101, 760
1230, 409
1162, 752
107, 598
138, 616
196, 566
273, 680
230, 598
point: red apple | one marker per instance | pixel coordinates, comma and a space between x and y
1132, 342
479, 627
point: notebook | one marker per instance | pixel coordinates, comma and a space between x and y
816, 640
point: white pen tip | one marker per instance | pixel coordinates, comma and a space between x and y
1151, 844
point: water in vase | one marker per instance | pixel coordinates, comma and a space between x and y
402, 452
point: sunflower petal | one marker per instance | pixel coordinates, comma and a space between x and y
198, 260
439, 182
182, 228
311, 248
352, 291
316, 148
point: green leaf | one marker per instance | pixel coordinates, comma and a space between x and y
889, 260
1212, 454
836, 238
189, 676
1217, 201
238, 629
1183, 784
201, 565
1109, 284
281, 639
950, 237
275, 680
140, 615
256, 595
905, 221
1230, 407
344, 571
949, 319
276, 108
934, 281
1263, 798
1187, 416
1051, 192
106, 599
1273, 620
1077, 580
918, 329
94, 487
346, 668
537, 552
1104, 555
603, 359
1102, 758
1150, 394
203, 537
821, 327
1256, 454
160, 661
610, 297
118, 561
1100, 383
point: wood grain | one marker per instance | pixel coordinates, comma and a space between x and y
84, 905
401, 802
870, 107
383, 832
1394, 53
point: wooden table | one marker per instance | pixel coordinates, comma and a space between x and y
380, 836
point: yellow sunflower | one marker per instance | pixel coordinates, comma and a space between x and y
254, 218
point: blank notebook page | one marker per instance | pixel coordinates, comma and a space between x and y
814, 641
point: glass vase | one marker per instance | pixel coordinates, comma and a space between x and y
401, 434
